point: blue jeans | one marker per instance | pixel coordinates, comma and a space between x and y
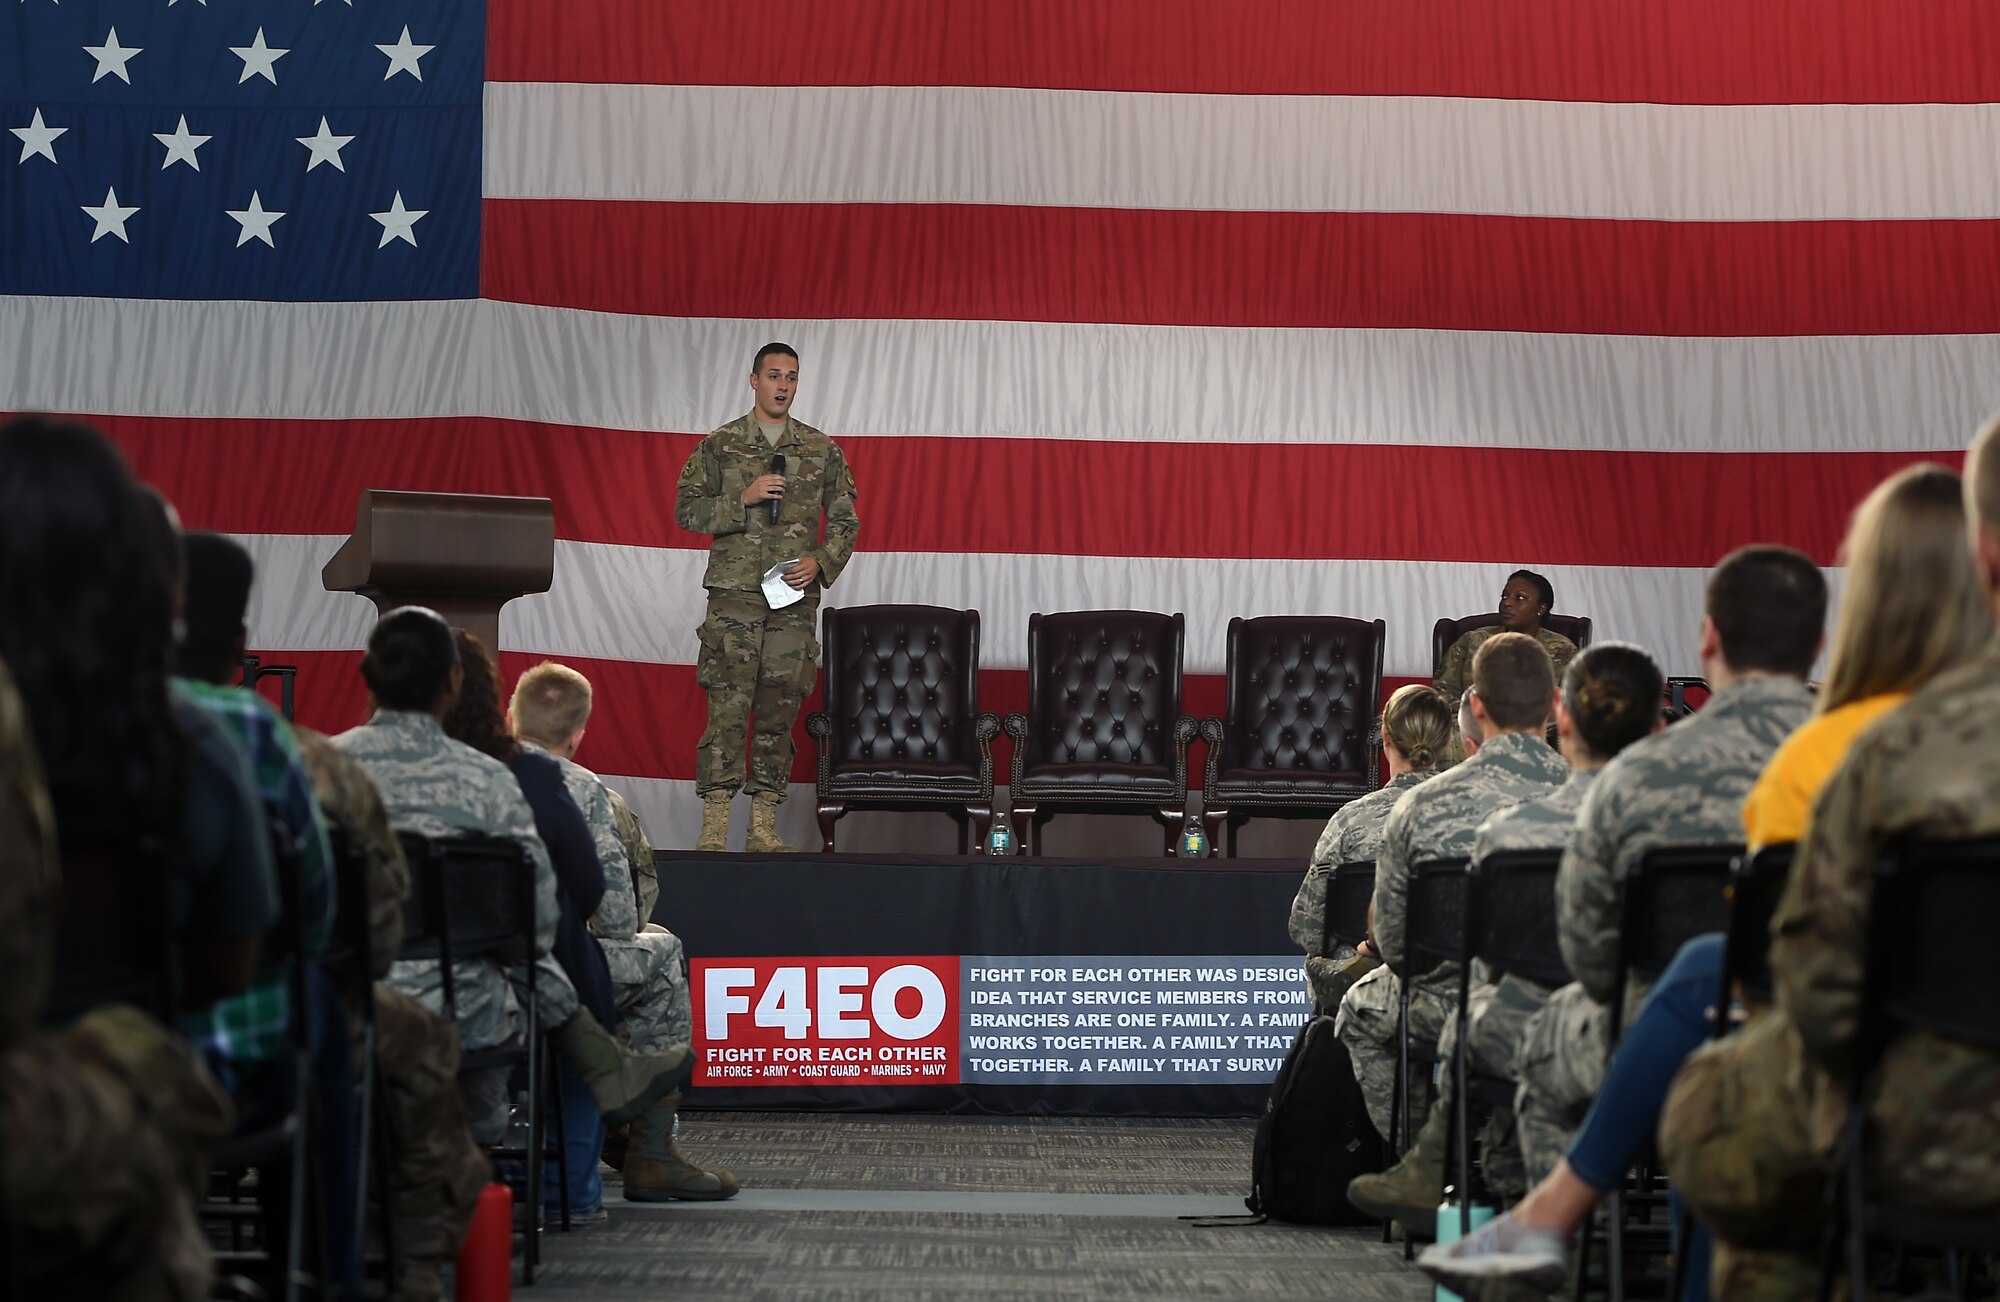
1625, 1116
584, 1129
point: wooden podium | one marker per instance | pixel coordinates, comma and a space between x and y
462, 554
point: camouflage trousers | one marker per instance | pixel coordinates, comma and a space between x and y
1366, 1024
758, 662
1560, 1064
491, 998
649, 984
435, 1169
1496, 1016
104, 1135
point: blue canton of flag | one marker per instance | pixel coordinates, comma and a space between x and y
238, 150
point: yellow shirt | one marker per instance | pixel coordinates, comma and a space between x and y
1777, 808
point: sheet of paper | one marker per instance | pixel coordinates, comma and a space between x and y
779, 594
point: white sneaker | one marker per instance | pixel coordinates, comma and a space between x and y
1502, 1248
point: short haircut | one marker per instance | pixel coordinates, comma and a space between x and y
551, 703
1982, 478
1612, 693
1468, 722
1418, 720
770, 348
1548, 590
1515, 680
410, 658
1769, 607
219, 575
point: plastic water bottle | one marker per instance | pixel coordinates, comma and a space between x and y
1001, 839
1447, 1230
1194, 841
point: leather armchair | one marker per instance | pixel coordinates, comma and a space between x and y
902, 729
1447, 631
1297, 732
1103, 732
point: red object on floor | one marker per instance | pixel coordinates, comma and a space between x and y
486, 1261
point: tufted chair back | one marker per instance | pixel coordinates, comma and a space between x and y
1104, 687
902, 685
1447, 631
1302, 693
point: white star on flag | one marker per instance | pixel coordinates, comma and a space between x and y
110, 216
181, 146
325, 147
255, 221
403, 56
111, 59
399, 223
259, 59
38, 138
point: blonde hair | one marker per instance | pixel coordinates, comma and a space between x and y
1418, 720
1913, 605
551, 703
1982, 477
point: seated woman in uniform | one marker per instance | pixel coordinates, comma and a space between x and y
1526, 599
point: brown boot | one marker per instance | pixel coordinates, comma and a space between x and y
714, 821
1410, 1190
656, 1171
763, 838
624, 1084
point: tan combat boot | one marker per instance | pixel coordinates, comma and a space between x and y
623, 1083
1410, 1190
763, 838
714, 821
656, 1171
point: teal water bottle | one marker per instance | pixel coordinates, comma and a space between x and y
1194, 842
1001, 839
1447, 1228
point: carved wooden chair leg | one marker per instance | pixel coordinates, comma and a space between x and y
1212, 821
829, 814
1023, 818
981, 818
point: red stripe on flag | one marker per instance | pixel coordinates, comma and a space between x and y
1664, 51
987, 262
1055, 497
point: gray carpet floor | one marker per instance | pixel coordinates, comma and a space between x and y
908, 1207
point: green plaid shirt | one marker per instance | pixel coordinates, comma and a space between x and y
250, 1027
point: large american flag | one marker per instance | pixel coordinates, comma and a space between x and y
1223, 306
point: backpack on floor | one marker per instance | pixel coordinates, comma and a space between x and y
1314, 1136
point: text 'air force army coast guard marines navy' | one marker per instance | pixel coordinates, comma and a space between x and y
757, 659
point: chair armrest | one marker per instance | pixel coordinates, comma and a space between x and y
1186, 729
1211, 737
819, 726
1016, 727
985, 728
1375, 756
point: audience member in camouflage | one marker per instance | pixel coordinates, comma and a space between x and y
435, 1170
1417, 735
1523, 602
639, 853
1762, 631
1437, 820
1751, 1123
756, 660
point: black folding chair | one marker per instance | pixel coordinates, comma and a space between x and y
1349, 888
1510, 925
1433, 934
474, 898
1673, 894
291, 1139
1932, 966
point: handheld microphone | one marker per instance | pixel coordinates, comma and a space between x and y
777, 468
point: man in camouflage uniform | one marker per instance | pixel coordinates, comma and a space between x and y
1526, 598
1437, 820
1750, 1127
104, 1126
1766, 607
756, 660
434, 786
435, 1170
549, 712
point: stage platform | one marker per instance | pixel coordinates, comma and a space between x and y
1137, 987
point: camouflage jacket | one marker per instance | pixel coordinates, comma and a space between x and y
1437, 820
1929, 771
745, 543
434, 786
617, 916
1544, 823
639, 853
348, 798
1684, 786
1455, 673
30, 873
1352, 835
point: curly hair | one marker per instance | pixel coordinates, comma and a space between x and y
89, 579
476, 718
